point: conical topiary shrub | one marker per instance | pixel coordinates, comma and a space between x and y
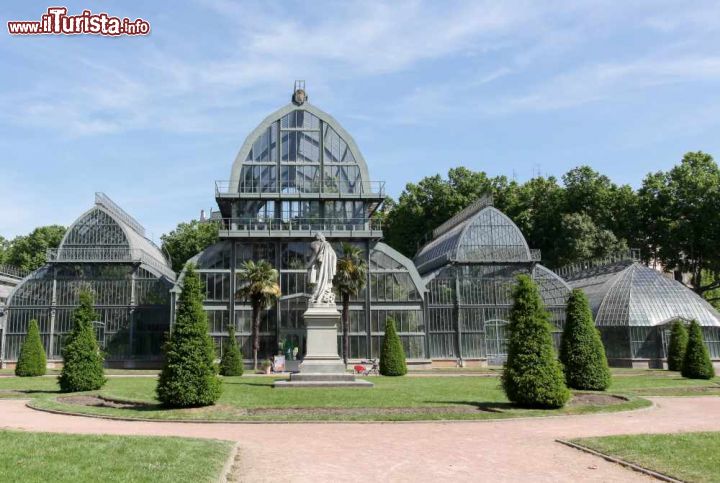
82, 359
677, 346
32, 361
231, 363
532, 377
189, 376
581, 350
697, 363
392, 355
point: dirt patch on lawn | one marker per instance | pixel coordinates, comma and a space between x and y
595, 399
102, 402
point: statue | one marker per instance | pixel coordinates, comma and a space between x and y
322, 271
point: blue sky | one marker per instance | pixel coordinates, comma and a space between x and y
511, 88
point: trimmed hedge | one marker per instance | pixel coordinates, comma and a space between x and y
82, 359
581, 349
532, 377
697, 363
677, 346
32, 361
392, 355
189, 376
231, 363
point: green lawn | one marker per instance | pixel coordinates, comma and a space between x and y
689, 456
405, 398
39, 457
662, 383
245, 399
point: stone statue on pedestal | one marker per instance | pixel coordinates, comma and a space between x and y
322, 271
322, 365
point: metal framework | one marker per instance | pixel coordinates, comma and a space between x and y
104, 251
299, 173
469, 268
634, 305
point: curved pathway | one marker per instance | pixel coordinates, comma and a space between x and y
502, 450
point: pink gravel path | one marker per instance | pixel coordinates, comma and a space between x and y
508, 450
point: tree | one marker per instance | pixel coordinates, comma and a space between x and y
189, 375
392, 355
532, 377
82, 359
537, 207
424, 206
680, 210
677, 345
260, 287
231, 363
697, 363
30, 252
350, 278
32, 361
582, 239
581, 349
187, 240
4, 246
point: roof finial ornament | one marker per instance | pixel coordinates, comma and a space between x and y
299, 95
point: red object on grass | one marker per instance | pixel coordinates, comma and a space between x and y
359, 369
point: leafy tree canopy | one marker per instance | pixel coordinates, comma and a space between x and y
601, 216
187, 240
29, 252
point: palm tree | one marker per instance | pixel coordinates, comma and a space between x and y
260, 287
350, 278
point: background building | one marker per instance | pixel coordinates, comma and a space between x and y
634, 306
469, 268
105, 251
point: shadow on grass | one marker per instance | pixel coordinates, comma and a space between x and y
250, 382
493, 407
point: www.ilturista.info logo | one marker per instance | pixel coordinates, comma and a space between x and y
57, 22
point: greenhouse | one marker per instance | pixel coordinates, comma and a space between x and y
297, 174
634, 306
106, 252
469, 268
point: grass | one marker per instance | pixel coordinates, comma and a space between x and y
247, 399
662, 383
392, 399
37, 457
685, 456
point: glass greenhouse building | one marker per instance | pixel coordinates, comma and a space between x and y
299, 173
469, 269
635, 305
105, 251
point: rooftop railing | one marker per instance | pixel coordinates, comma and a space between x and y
329, 187
598, 264
14, 272
304, 226
106, 254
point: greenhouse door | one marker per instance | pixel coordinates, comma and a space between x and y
495, 342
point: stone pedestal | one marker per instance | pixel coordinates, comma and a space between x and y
322, 366
321, 348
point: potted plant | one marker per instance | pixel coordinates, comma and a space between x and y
265, 366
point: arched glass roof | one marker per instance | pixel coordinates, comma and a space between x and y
636, 295
310, 141
486, 236
553, 289
105, 233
